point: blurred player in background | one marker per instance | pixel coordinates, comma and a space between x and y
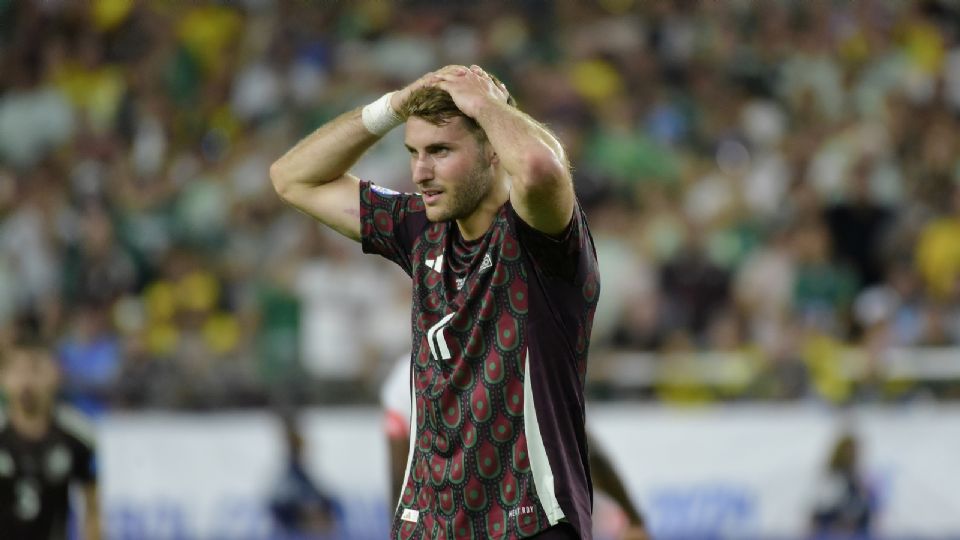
505, 285
844, 507
44, 449
395, 400
299, 507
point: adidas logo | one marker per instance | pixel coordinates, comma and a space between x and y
436, 264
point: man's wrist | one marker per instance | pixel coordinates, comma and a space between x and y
380, 117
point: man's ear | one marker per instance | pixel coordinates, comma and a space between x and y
492, 156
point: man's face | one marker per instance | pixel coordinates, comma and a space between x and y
29, 380
450, 167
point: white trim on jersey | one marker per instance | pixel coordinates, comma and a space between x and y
413, 439
77, 424
539, 463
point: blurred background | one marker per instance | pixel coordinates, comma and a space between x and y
773, 188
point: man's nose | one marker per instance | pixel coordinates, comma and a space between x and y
422, 169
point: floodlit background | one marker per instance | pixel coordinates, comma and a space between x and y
773, 188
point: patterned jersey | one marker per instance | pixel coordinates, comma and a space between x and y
501, 326
35, 476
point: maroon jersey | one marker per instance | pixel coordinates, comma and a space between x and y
501, 326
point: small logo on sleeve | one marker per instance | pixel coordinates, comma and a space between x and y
410, 515
386, 192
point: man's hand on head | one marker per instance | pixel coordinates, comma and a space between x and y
429, 79
471, 88
500, 91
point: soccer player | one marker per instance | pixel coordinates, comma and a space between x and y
300, 508
505, 286
43, 450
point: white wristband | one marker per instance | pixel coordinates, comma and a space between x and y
379, 117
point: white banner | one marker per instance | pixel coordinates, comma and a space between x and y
732, 472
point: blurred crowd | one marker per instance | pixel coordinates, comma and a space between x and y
778, 180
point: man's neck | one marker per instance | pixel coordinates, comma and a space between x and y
476, 224
29, 426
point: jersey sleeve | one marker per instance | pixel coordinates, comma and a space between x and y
390, 223
82, 437
569, 256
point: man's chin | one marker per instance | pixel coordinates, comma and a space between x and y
437, 215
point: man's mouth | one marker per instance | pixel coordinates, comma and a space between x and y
431, 196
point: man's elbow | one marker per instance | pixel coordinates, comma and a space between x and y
544, 170
280, 180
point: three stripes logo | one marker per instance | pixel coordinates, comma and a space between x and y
436, 340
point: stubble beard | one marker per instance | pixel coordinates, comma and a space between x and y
465, 200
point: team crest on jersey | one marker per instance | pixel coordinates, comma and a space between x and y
486, 263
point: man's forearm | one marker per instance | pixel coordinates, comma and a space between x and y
520, 141
324, 155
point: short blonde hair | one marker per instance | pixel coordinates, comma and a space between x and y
435, 105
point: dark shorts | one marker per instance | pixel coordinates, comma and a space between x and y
562, 531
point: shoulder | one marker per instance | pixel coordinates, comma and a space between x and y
76, 425
377, 196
